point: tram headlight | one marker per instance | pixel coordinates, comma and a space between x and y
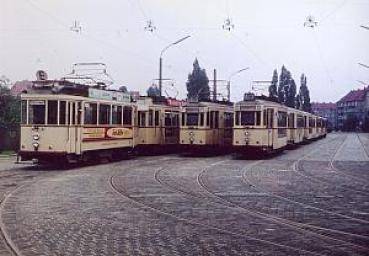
35, 145
36, 136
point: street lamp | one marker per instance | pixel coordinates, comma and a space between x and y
229, 80
161, 60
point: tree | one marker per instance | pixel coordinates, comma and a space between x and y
10, 107
153, 91
284, 85
297, 102
291, 94
304, 94
273, 94
198, 84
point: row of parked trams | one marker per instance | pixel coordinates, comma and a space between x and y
68, 122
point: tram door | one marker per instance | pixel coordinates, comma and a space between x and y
270, 115
74, 142
171, 126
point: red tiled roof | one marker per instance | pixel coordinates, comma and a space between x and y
323, 105
20, 87
355, 95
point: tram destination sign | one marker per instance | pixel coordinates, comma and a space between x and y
109, 95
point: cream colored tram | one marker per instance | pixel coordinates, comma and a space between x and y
310, 128
158, 124
321, 127
296, 126
259, 125
206, 126
69, 128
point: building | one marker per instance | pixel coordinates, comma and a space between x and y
20, 87
353, 110
327, 110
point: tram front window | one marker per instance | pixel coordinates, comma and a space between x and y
52, 112
36, 112
247, 117
192, 118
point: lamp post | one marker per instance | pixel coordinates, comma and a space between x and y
229, 80
161, 60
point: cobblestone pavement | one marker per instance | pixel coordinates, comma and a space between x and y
312, 200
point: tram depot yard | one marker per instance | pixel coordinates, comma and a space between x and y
311, 200
306, 195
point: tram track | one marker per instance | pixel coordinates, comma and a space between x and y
300, 171
199, 224
285, 222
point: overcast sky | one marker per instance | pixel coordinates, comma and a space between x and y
35, 34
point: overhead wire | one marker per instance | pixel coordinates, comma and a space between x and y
88, 35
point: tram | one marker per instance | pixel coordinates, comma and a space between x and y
158, 124
67, 122
206, 126
261, 125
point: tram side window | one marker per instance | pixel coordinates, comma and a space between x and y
291, 120
228, 119
157, 115
127, 115
183, 119
104, 114
216, 119
265, 117
90, 113
151, 117
282, 119
116, 115
207, 118
142, 119
24, 112
52, 112
36, 112
62, 112
168, 119
237, 115
300, 122
201, 119
192, 118
311, 122
176, 119
79, 112
258, 117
